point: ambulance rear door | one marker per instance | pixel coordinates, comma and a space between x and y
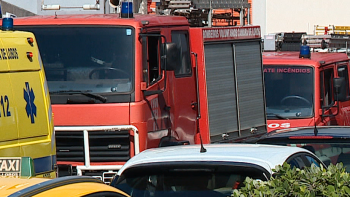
24, 107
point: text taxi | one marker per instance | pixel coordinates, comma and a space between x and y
26, 122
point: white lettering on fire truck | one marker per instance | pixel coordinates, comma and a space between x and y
287, 70
276, 125
232, 33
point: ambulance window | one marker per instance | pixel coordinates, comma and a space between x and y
344, 72
181, 40
151, 60
326, 86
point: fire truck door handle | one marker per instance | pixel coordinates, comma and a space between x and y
194, 105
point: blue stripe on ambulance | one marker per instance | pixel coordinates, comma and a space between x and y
44, 164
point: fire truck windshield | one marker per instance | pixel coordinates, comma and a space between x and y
94, 59
289, 91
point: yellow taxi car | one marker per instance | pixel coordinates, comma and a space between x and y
70, 186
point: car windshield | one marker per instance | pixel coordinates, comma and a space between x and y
289, 91
196, 181
85, 58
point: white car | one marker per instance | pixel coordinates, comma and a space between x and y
187, 171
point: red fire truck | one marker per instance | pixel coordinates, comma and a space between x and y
305, 88
120, 84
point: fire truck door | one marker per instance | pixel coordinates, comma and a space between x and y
184, 89
157, 122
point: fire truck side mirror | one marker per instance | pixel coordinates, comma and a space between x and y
114, 3
339, 89
172, 53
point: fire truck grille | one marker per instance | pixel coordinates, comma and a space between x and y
111, 146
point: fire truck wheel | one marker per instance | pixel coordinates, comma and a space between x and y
295, 97
108, 68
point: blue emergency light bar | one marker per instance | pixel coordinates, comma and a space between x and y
126, 10
304, 51
7, 24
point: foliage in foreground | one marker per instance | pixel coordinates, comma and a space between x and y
308, 182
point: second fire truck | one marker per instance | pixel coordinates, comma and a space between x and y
306, 88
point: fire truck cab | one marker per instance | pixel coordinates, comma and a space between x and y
305, 88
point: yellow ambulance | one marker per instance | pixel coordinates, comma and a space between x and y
26, 121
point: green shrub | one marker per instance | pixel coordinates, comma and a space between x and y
308, 182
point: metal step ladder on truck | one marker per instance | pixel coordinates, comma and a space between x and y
304, 87
120, 84
329, 39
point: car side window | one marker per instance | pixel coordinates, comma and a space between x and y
296, 161
313, 160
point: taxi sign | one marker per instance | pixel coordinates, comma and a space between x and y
10, 167
16, 167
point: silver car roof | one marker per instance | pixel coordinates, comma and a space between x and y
266, 156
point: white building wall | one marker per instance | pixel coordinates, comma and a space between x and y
259, 14
29, 5
299, 15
